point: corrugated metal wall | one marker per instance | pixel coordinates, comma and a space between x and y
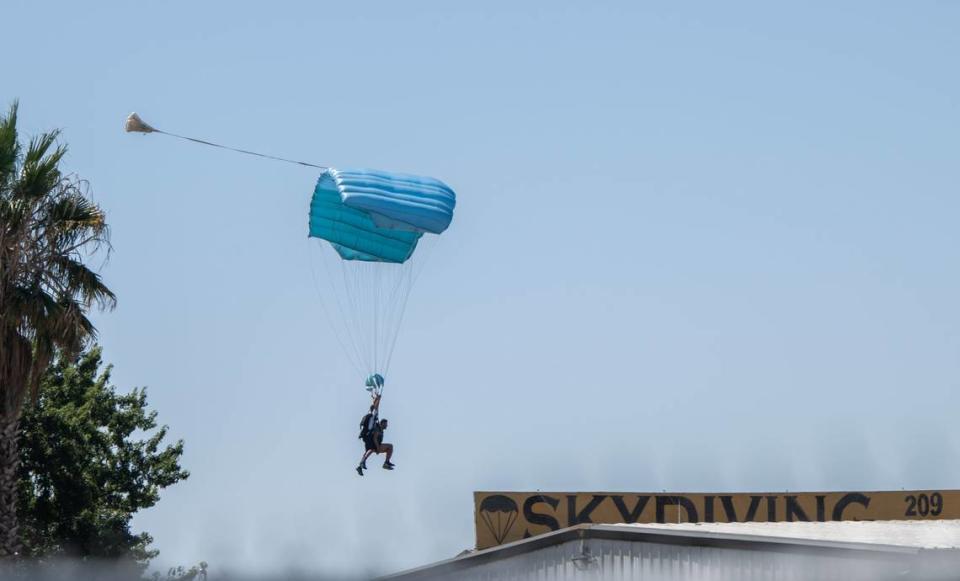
624, 560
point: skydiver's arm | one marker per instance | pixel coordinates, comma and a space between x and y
376, 403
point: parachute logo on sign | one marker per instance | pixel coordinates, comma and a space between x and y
499, 513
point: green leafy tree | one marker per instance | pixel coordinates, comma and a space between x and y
48, 229
90, 459
197, 572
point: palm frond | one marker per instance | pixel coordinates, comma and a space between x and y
71, 222
73, 328
40, 145
73, 210
48, 228
31, 309
12, 215
75, 279
9, 147
40, 171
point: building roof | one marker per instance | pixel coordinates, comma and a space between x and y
932, 534
878, 539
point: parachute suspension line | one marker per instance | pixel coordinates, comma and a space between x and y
399, 299
381, 317
401, 310
370, 299
359, 282
348, 311
372, 284
394, 322
340, 308
376, 323
412, 274
350, 295
137, 125
326, 313
389, 326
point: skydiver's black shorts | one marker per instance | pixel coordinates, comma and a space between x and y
370, 443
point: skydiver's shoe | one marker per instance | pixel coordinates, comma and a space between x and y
388, 465
360, 470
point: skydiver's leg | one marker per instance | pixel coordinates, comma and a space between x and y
388, 450
369, 451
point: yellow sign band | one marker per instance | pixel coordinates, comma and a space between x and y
503, 517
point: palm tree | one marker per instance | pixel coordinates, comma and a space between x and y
48, 229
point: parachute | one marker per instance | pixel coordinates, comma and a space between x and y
369, 225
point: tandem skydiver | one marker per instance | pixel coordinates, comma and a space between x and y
371, 431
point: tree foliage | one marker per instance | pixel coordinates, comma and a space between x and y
49, 229
90, 459
48, 226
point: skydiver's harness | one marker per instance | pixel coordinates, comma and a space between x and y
365, 430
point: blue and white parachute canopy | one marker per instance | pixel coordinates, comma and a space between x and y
378, 216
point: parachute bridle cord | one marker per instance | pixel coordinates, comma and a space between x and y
134, 124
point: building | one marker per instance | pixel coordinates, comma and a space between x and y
845, 550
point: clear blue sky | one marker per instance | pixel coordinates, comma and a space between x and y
709, 247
